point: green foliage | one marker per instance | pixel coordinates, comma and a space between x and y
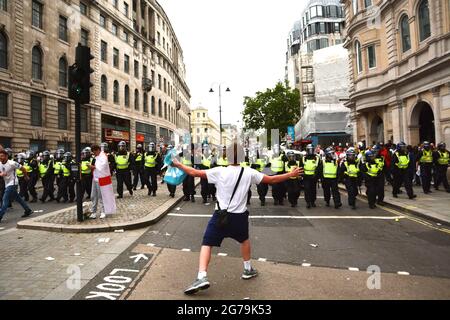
275, 108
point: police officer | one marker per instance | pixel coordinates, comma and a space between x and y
425, 162
312, 166
349, 173
441, 162
138, 168
380, 180
373, 173
152, 163
46, 173
57, 168
123, 161
187, 158
277, 166
32, 167
400, 163
206, 163
293, 184
222, 160
259, 165
172, 188
246, 164
66, 185
23, 184
111, 159
329, 178
86, 172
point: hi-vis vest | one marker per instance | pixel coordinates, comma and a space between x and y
330, 169
206, 162
57, 167
245, 164
138, 157
261, 163
66, 169
276, 164
443, 158
186, 161
27, 167
85, 167
380, 162
150, 160
122, 161
403, 161
290, 168
373, 169
352, 169
310, 165
221, 162
427, 157
43, 168
19, 173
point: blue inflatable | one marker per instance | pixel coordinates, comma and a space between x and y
173, 176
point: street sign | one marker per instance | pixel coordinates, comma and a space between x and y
291, 133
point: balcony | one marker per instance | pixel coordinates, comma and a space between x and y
147, 84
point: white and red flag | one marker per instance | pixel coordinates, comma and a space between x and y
103, 174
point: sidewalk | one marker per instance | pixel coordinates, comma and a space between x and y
434, 206
133, 212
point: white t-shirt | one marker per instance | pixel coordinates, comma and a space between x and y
225, 179
10, 169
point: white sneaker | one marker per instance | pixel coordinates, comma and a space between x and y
102, 215
93, 216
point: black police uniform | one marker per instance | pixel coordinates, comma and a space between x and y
47, 179
123, 161
441, 163
138, 170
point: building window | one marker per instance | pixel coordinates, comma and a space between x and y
102, 21
4, 5
63, 28
126, 9
84, 119
367, 3
3, 51
404, 33
165, 110
358, 57
145, 71
153, 105
116, 57
136, 99
37, 14
355, 7
313, 12
104, 51
160, 108
136, 68
145, 102
125, 36
127, 96
424, 20
63, 72
126, 64
37, 145
83, 8
116, 3
371, 57
62, 115
116, 92
114, 29
159, 82
36, 111
37, 63
165, 85
104, 87
3, 104
84, 37
204, 115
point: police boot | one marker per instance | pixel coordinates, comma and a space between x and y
313, 204
205, 200
186, 198
327, 203
192, 198
337, 206
263, 203
308, 205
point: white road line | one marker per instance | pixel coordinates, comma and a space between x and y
306, 264
353, 269
222, 254
293, 217
403, 273
150, 244
186, 250
256, 197
262, 259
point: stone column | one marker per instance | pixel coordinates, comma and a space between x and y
147, 22
397, 121
437, 113
138, 15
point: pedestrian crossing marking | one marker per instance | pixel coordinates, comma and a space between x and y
353, 269
222, 254
403, 273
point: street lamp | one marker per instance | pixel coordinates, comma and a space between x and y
220, 108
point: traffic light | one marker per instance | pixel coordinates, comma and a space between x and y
80, 75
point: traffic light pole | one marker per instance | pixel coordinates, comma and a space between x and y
78, 159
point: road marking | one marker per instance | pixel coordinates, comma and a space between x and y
306, 264
262, 259
222, 254
403, 273
138, 257
353, 269
256, 197
292, 217
150, 244
186, 250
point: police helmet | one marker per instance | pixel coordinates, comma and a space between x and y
290, 155
369, 155
442, 146
67, 157
104, 146
21, 157
309, 149
59, 154
122, 145
46, 155
401, 146
151, 147
329, 153
376, 150
426, 145
350, 154
30, 154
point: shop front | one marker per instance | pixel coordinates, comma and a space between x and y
145, 134
115, 130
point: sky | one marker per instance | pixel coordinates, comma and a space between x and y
238, 43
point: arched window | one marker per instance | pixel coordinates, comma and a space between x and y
3, 51
127, 96
36, 63
145, 102
136, 99
160, 108
116, 91
358, 57
424, 20
104, 87
63, 72
404, 33
153, 106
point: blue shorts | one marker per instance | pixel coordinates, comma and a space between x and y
236, 229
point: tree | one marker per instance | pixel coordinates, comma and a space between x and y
275, 108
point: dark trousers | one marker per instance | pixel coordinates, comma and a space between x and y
123, 176
188, 186
330, 187
310, 184
401, 176
441, 176
388, 175
138, 173
32, 185
2, 188
63, 185
425, 176
86, 185
262, 189
371, 189
351, 185
380, 188
47, 184
151, 179
23, 187
172, 189
293, 190
205, 190
279, 191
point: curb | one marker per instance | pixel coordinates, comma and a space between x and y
407, 209
152, 218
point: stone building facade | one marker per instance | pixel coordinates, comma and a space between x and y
204, 128
400, 69
139, 93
